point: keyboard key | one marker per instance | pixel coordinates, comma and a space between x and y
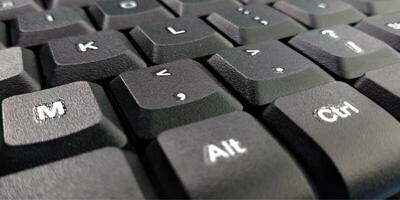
88, 57
3, 36
345, 51
108, 173
123, 14
257, 1
74, 3
37, 28
343, 139
384, 27
178, 39
263, 72
374, 7
320, 13
10, 9
199, 7
230, 157
170, 95
382, 87
254, 23
77, 113
18, 72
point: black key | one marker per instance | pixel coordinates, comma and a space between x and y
123, 14
257, 1
345, 51
199, 7
170, 95
88, 57
348, 143
3, 36
77, 113
382, 86
178, 39
37, 28
384, 27
10, 9
18, 72
374, 7
320, 13
254, 23
108, 173
230, 157
263, 72
73, 3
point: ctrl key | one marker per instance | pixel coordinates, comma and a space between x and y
227, 157
107, 173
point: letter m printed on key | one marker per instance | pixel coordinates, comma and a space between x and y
49, 111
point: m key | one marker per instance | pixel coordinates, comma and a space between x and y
230, 156
170, 95
178, 39
348, 143
345, 51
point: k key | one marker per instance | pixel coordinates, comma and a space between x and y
169, 95
345, 51
88, 57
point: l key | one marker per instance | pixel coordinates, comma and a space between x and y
349, 145
345, 51
178, 39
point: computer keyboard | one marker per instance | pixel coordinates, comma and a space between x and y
200, 99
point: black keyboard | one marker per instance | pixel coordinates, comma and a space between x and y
200, 99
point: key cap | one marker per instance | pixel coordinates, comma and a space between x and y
375, 7
345, 51
257, 1
63, 3
3, 36
178, 39
384, 27
10, 9
343, 133
77, 113
320, 13
169, 95
382, 87
88, 57
108, 173
254, 23
18, 72
199, 8
230, 157
123, 14
263, 72
37, 28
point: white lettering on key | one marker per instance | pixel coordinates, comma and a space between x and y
252, 52
394, 25
49, 111
49, 18
225, 150
354, 47
164, 72
128, 4
330, 33
180, 96
175, 32
84, 47
7, 4
332, 114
